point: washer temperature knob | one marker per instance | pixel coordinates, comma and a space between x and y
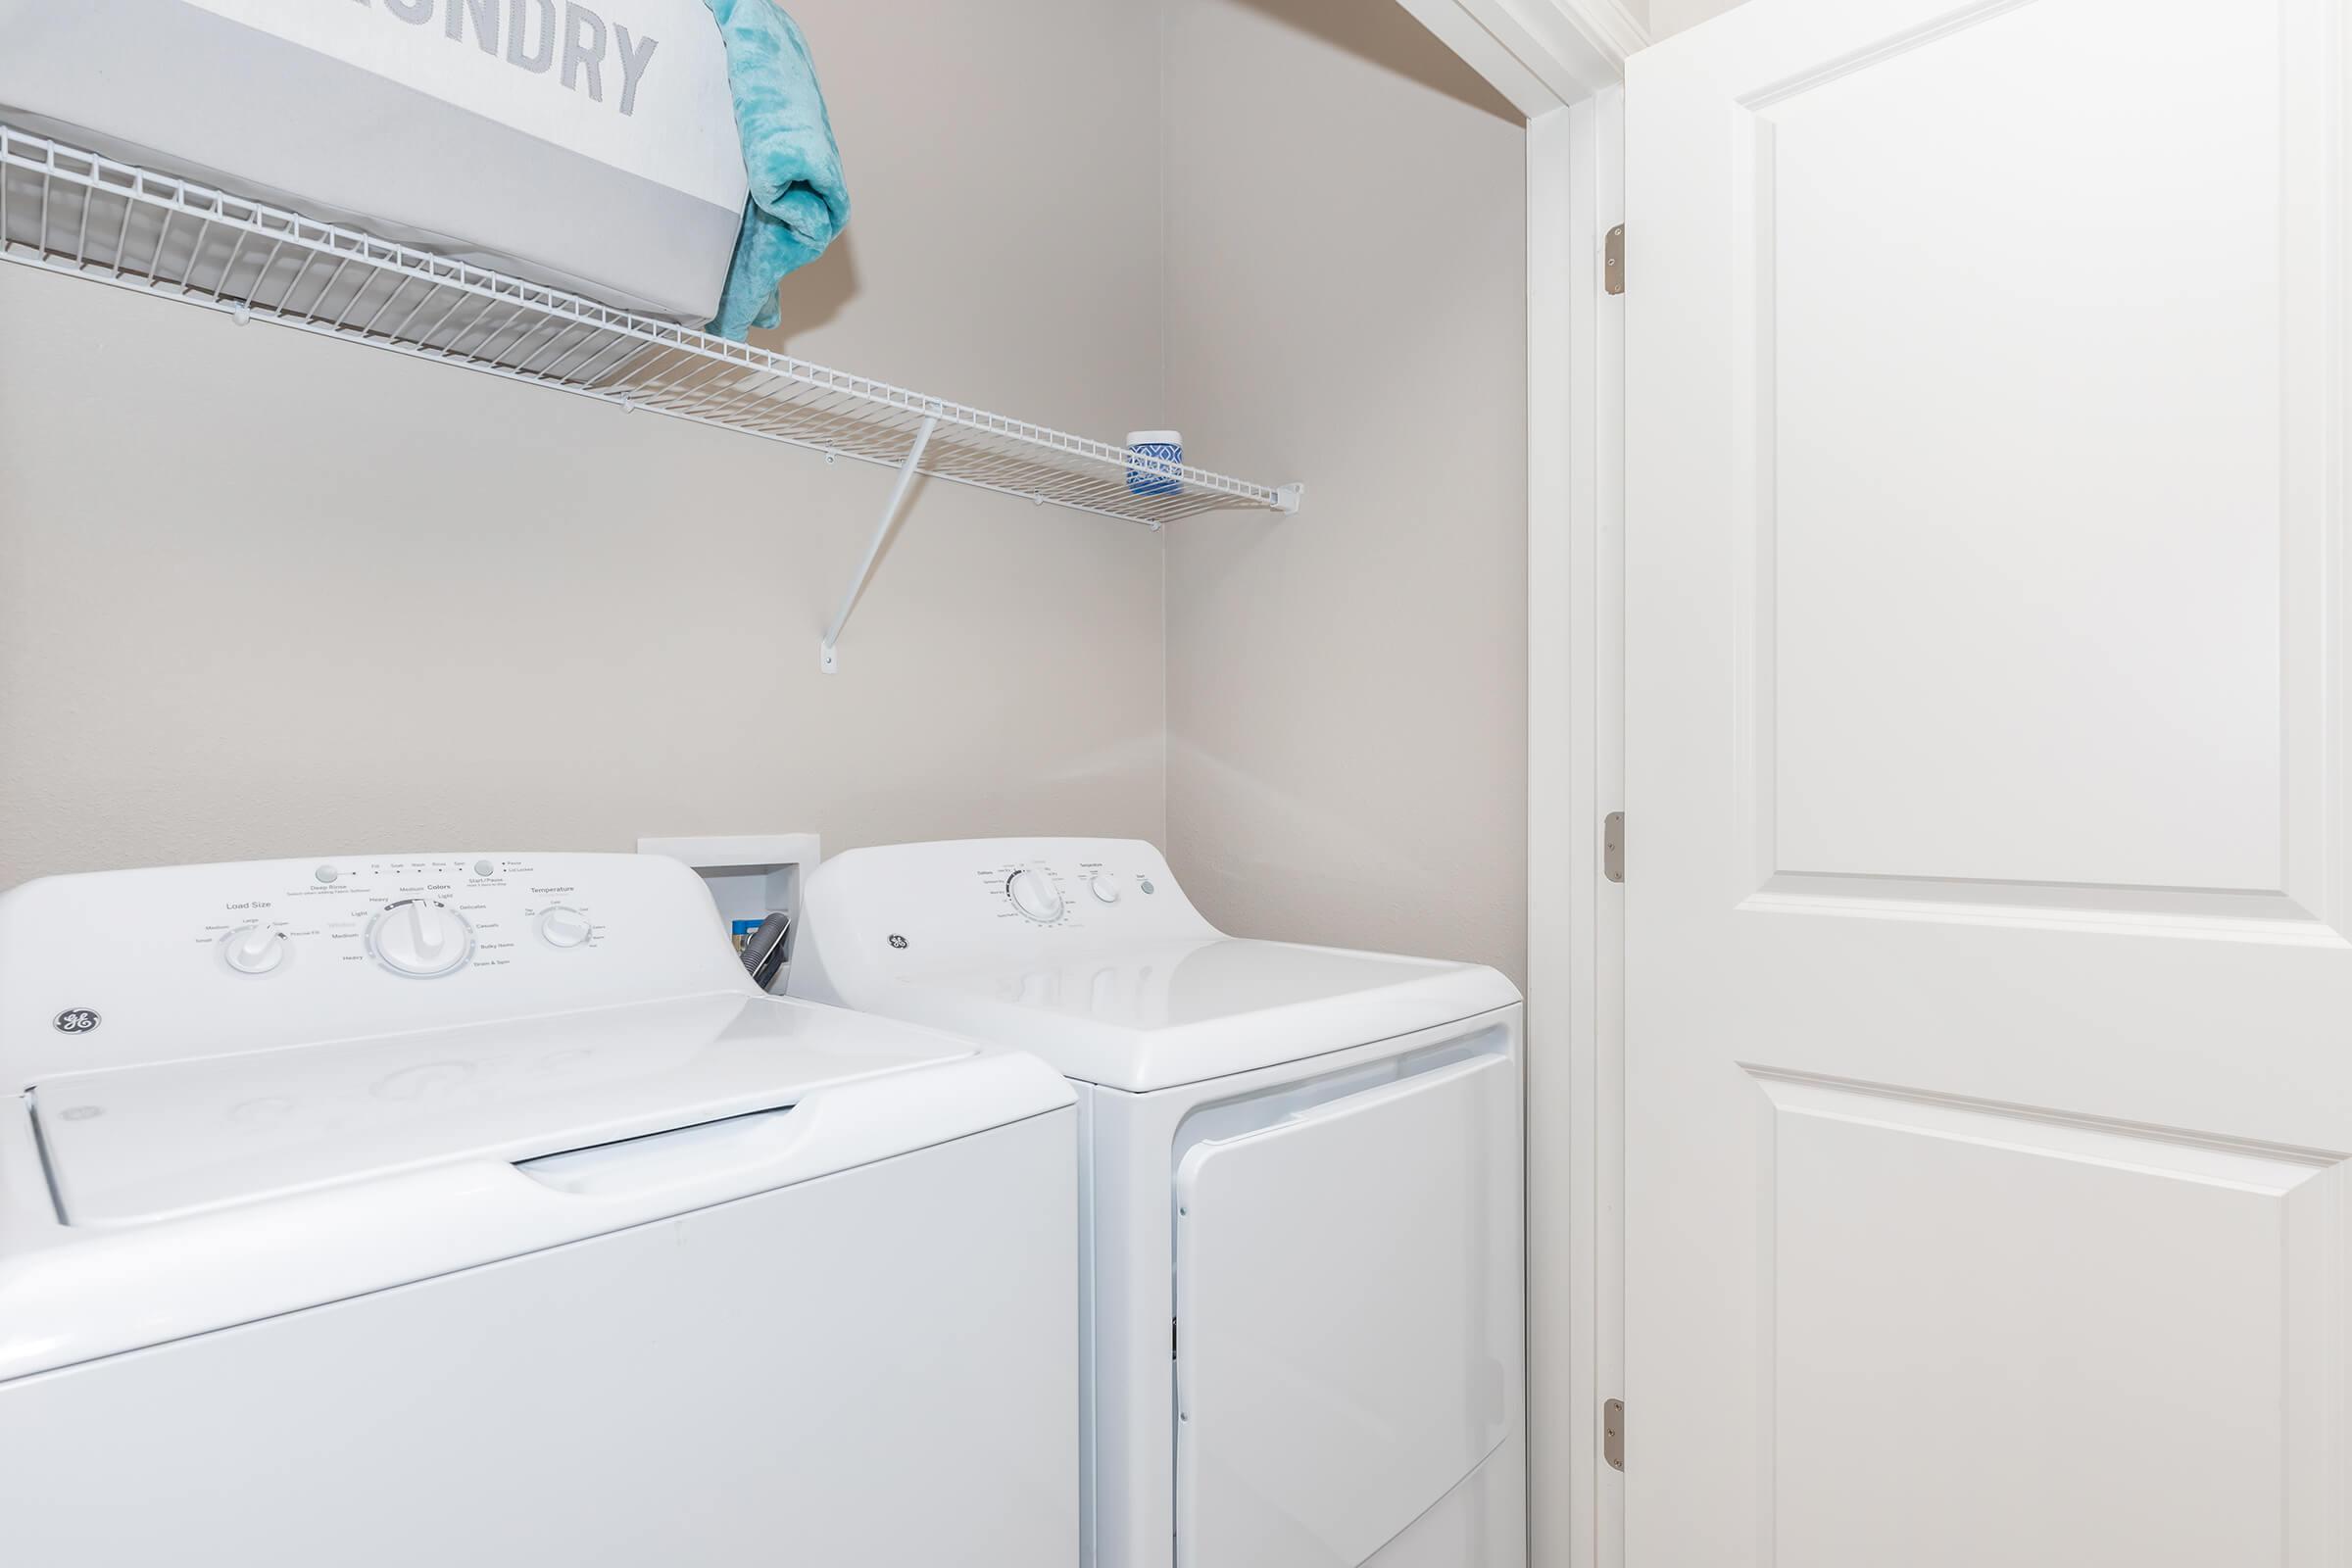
422, 937
1035, 896
563, 926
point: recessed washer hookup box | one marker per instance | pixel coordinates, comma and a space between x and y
588, 144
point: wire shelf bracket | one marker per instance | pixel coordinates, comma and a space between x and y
827, 656
68, 211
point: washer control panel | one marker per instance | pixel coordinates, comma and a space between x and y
195, 960
416, 920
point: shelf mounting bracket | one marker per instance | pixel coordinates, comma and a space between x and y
828, 656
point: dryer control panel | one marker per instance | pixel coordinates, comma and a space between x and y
158, 965
905, 909
995, 898
1081, 885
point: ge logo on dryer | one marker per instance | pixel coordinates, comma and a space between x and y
75, 1021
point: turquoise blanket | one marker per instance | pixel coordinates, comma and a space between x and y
799, 201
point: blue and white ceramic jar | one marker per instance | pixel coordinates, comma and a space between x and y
1165, 444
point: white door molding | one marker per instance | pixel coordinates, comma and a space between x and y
1542, 55
1560, 63
1575, 934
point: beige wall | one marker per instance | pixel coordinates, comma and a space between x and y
262, 594
1346, 692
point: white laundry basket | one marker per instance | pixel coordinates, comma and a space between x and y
588, 144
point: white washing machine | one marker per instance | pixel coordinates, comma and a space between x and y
477, 1210
1300, 1195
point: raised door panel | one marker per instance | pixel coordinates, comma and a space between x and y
2036, 495
2056, 1341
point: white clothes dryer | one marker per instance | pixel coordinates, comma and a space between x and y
1299, 1191
477, 1209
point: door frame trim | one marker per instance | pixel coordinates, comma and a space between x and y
1561, 62
1575, 915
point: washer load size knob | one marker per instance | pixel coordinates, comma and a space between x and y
422, 937
1034, 894
253, 949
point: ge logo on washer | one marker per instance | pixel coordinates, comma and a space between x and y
75, 1021
898, 942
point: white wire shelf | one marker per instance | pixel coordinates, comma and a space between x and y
78, 213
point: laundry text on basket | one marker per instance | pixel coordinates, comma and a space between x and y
526, 34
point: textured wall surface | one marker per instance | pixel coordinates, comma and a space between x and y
1347, 689
262, 594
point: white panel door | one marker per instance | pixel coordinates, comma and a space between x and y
1989, 930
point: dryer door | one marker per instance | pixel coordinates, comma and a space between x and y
1347, 1307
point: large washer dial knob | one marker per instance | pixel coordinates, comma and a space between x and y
563, 926
422, 937
1034, 894
254, 950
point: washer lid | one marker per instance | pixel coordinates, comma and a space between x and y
138, 1144
1154, 1016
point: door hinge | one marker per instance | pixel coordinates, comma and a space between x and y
1612, 261
1612, 846
1612, 1433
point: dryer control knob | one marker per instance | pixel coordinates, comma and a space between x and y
563, 926
422, 937
1035, 896
253, 949
1104, 887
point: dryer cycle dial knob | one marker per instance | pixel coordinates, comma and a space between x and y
1035, 896
422, 937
